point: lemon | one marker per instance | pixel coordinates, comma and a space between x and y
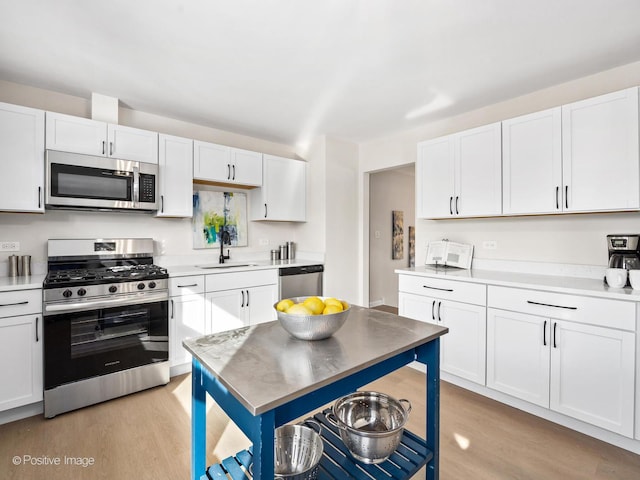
283, 305
345, 305
298, 309
315, 304
329, 309
333, 301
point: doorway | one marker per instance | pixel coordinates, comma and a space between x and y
390, 191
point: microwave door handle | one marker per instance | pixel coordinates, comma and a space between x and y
136, 184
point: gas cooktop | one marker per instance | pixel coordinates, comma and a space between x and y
96, 276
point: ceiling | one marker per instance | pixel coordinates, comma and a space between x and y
286, 70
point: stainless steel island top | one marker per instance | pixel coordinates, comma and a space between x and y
264, 367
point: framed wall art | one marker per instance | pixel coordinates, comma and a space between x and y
217, 214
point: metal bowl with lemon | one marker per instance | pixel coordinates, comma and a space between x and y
312, 318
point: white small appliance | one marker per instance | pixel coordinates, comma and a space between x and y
444, 253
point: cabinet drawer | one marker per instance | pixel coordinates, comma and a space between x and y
229, 281
20, 302
186, 285
594, 311
445, 289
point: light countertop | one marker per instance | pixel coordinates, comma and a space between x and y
264, 367
552, 283
234, 266
21, 283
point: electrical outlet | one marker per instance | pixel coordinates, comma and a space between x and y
490, 245
376, 234
9, 246
263, 242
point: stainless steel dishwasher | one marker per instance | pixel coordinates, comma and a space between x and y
302, 281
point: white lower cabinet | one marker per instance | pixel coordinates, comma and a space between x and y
186, 315
463, 348
21, 377
239, 299
569, 365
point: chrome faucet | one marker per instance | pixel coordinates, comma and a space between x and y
224, 237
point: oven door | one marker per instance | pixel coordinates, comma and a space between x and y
86, 344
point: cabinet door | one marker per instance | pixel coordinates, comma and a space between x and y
21, 357
532, 163
464, 347
211, 162
600, 153
259, 302
21, 159
478, 171
225, 311
67, 133
175, 164
592, 375
434, 178
246, 167
417, 307
127, 143
187, 320
518, 355
283, 193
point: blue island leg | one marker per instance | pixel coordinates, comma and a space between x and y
198, 422
429, 354
263, 446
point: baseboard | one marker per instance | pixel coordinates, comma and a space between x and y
19, 413
376, 303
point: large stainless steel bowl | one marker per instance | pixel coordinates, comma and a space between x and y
312, 327
371, 424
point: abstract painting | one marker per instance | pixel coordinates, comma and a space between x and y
397, 236
219, 214
412, 246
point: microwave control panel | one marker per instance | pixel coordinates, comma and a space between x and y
147, 188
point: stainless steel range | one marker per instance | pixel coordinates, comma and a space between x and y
106, 329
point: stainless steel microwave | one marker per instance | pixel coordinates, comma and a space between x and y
78, 181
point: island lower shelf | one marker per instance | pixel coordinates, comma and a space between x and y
336, 463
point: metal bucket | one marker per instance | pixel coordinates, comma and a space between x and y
370, 423
298, 450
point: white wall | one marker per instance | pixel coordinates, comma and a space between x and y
173, 235
388, 190
574, 239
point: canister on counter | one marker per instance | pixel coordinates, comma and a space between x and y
291, 254
24, 265
13, 265
275, 255
283, 252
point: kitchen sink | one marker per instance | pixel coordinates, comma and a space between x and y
226, 265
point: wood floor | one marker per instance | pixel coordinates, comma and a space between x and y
147, 436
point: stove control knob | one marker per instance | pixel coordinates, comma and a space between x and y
141, 286
82, 292
152, 284
67, 293
113, 289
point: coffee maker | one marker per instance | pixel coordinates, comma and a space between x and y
624, 251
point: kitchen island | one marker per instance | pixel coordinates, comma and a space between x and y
263, 378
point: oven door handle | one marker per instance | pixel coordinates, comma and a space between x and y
107, 302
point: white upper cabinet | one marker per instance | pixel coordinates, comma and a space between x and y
134, 144
434, 178
21, 159
175, 164
532, 163
460, 175
226, 165
67, 133
600, 153
282, 196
